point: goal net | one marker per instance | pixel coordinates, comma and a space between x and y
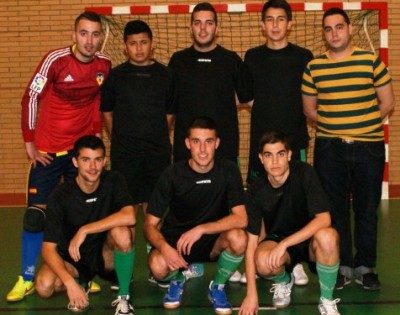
239, 30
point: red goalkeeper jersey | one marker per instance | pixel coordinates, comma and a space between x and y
68, 92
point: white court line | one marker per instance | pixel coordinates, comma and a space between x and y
261, 308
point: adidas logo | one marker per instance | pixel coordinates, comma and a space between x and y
69, 78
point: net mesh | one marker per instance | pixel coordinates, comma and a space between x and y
238, 32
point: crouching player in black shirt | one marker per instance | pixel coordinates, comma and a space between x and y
199, 203
290, 202
88, 231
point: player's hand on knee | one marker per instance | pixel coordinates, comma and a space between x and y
274, 260
173, 259
187, 239
75, 244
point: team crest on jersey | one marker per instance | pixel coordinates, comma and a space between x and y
100, 78
38, 83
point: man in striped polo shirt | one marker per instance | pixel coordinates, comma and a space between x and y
348, 92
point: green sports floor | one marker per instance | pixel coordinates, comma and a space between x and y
148, 298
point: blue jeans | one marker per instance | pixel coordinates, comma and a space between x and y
352, 173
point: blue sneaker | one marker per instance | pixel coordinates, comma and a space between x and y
172, 299
218, 298
194, 271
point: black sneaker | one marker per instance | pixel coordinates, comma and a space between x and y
341, 281
369, 281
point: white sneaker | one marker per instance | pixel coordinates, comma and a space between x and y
282, 293
194, 270
123, 306
328, 307
243, 278
235, 277
299, 275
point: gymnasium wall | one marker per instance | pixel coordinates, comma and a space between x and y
31, 28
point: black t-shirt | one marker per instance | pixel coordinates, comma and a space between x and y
206, 83
289, 208
185, 198
69, 208
274, 80
140, 98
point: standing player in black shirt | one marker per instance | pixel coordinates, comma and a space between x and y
206, 80
199, 204
274, 75
88, 231
136, 104
289, 200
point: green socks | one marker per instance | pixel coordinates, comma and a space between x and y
227, 264
283, 277
175, 275
327, 279
123, 264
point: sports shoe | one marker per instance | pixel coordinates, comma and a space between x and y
123, 306
75, 309
172, 299
299, 275
243, 278
21, 289
341, 281
235, 277
94, 287
161, 284
218, 298
369, 281
328, 307
282, 293
194, 271
114, 286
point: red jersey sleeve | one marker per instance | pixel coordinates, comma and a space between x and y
37, 87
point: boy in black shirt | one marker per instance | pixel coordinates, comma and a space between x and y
88, 231
290, 202
199, 204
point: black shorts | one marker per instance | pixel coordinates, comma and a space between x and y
141, 174
43, 179
90, 265
297, 253
200, 251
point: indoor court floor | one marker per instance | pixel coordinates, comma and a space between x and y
148, 298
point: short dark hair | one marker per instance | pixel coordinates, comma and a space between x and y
137, 27
272, 137
204, 6
333, 11
88, 15
277, 4
89, 142
202, 122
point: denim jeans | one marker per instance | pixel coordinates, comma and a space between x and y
351, 173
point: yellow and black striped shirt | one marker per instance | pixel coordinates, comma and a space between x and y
347, 103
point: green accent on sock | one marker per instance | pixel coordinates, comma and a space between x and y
303, 155
175, 275
327, 279
282, 277
227, 265
123, 264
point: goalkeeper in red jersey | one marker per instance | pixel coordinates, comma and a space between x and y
66, 86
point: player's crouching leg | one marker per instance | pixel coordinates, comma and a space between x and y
234, 245
325, 246
124, 258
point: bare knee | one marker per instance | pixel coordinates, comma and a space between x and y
157, 265
44, 286
325, 245
122, 238
237, 239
